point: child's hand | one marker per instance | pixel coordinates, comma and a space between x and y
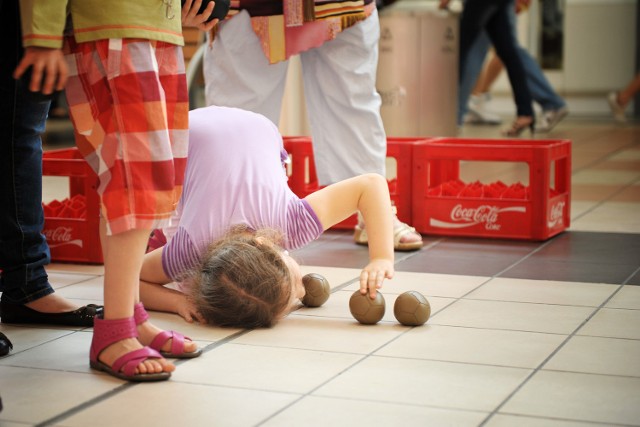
188, 311
374, 274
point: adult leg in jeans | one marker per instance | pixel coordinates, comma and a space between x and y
469, 75
27, 296
539, 86
473, 48
503, 39
541, 90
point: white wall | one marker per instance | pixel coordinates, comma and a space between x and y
600, 45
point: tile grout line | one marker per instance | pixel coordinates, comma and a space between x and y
84, 405
549, 357
98, 399
602, 159
497, 275
596, 162
363, 358
310, 392
507, 268
368, 355
372, 353
127, 385
628, 279
603, 201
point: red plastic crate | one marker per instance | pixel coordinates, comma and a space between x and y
72, 238
535, 213
303, 179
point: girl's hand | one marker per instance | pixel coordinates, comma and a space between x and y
187, 310
191, 17
373, 276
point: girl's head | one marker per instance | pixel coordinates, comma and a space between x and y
245, 280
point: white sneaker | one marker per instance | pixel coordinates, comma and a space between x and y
616, 108
551, 118
478, 112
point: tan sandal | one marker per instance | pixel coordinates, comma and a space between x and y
400, 229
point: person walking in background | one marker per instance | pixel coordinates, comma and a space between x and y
27, 295
128, 102
554, 108
246, 66
618, 101
492, 16
476, 111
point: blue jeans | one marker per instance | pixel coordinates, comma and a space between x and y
23, 249
541, 90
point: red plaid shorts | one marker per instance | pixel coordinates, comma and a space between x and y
129, 104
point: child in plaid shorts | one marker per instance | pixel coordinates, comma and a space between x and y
128, 102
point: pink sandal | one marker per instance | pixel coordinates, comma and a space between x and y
107, 332
177, 344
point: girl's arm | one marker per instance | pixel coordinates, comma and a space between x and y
155, 296
368, 194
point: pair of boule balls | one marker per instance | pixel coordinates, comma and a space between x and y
411, 308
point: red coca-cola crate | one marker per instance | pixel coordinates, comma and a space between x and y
72, 226
445, 205
303, 179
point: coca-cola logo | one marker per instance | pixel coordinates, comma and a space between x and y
61, 236
488, 215
556, 216
58, 234
482, 214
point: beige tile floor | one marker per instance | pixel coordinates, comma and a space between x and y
495, 352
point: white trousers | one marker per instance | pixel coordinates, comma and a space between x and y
339, 85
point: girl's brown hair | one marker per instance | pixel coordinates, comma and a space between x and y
243, 280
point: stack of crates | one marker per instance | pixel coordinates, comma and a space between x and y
427, 191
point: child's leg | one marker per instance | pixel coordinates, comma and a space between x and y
171, 75
122, 260
121, 119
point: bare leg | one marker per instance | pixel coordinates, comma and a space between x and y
489, 75
123, 253
625, 95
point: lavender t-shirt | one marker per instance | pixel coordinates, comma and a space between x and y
234, 176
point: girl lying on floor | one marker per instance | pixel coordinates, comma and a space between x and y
227, 248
